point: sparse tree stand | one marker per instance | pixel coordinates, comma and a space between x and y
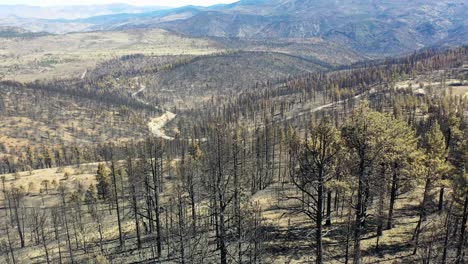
181, 225
365, 135
62, 192
17, 195
448, 229
393, 194
360, 214
236, 146
452, 136
218, 159
6, 196
401, 154
348, 230
316, 160
435, 167
116, 196
380, 204
220, 181
355, 140
229, 163
43, 223
55, 213
10, 246
460, 195
155, 152
132, 179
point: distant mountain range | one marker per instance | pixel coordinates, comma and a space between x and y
371, 27
368, 26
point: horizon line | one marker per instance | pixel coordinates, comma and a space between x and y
114, 3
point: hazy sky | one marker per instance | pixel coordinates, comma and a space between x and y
131, 2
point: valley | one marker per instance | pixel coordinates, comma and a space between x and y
253, 132
273, 206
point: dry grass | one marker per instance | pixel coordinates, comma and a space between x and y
30, 182
57, 120
70, 55
292, 230
289, 236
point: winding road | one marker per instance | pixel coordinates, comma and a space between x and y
156, 125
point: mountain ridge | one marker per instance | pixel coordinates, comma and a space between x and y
374, 28
368, 26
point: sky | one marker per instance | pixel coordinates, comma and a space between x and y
171, 3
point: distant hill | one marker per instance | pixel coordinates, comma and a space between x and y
234, 71
15, 32
368, 26
371, 28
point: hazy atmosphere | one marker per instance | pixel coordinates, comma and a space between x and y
172, 3
259, 131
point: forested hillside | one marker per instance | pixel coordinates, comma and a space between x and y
238, 157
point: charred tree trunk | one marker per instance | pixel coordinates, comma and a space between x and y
64, 206
319, 219
360, 214
156, 171
422, 215
441, 199
393, 196
10, 246
329, 205
116, 197
17, 220
460, 258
